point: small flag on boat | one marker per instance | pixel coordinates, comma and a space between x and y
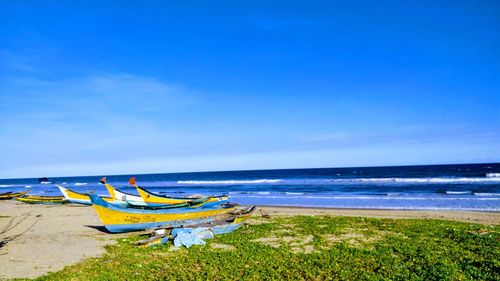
131, 181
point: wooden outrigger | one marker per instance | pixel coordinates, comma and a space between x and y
222, 224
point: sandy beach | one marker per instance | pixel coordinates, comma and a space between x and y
49, 237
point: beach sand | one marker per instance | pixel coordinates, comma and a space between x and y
54, 236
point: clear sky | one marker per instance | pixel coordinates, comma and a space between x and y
115, 87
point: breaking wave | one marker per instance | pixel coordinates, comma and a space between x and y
347, 181
228, 182
458, 192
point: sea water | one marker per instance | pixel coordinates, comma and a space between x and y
474, 187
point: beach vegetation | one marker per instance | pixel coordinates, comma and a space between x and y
310, 248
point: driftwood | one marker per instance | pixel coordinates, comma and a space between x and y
225, 219
264, 214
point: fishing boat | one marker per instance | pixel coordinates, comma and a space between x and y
196, 202
35, 199
122, 219
152, 198
148, 198
123, 196
11, 195
81, 198
223, 224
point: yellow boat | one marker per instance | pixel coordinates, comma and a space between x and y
11, 195
123, 196
35, 199
156, 199
120, 219
80, 198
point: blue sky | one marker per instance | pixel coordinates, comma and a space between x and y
90, 88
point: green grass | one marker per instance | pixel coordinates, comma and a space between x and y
311, 248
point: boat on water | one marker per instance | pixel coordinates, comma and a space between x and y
81, 198
122, 219
44, 180
35, 199
11, 195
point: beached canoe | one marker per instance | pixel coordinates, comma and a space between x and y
11, 195
152, 198
81, 198
121, 219
35, 199
196, 203
124, 196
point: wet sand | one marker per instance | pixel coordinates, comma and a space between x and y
49, 237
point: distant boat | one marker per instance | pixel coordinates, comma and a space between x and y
44, 180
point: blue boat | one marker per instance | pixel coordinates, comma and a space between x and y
122, 219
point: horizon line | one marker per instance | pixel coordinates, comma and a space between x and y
253, 170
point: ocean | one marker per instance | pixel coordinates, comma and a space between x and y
472, 187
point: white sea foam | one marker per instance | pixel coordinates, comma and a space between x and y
458, 192
367, 197
27, 186
6, 185
81, 183
347, 181
486, 194
493, 209
429, 180
493, 175
393, 194
294, 193
229, 182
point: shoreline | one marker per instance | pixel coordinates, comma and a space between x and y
54, 236
486, 218
375, 209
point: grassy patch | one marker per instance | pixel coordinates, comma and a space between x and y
311, 248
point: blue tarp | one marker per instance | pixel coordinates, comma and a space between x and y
191, 236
